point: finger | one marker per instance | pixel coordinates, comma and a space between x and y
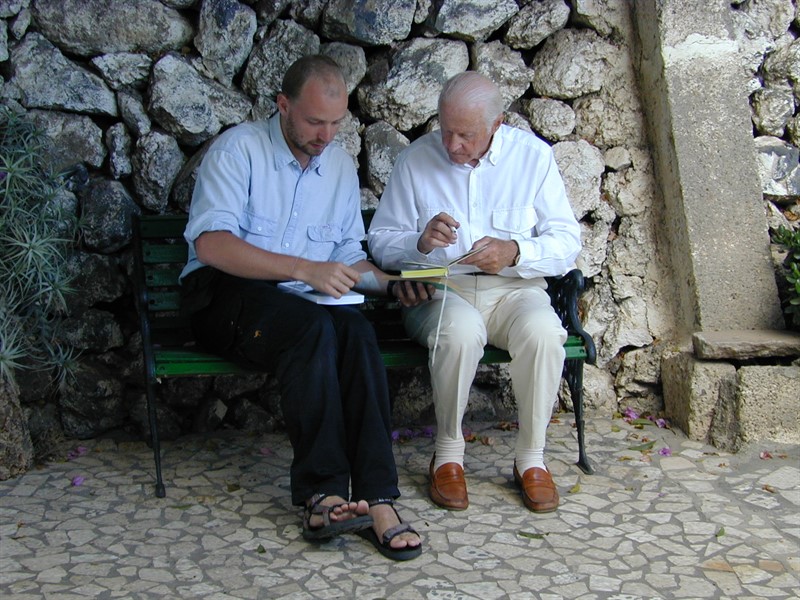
424, 292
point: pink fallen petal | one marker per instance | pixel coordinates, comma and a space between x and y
630, 413
266, 452
75, 453
665, 451
78, 480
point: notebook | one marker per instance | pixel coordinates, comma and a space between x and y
306, 291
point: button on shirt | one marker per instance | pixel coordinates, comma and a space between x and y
251, 185
515, 192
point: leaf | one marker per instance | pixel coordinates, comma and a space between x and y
234, 487
769, 488
720, 533
641, 422
615, 428
575, 488
533, 536
643, 447
261, 549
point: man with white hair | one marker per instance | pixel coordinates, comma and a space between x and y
478, 183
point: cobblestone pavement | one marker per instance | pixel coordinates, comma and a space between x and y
696, 524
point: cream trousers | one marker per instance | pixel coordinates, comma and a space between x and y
510, 313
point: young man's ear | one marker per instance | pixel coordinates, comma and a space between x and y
283, 103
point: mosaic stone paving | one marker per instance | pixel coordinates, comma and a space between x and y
662, 517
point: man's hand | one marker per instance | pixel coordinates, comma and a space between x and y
440, 232
411, 293
332, 278
495, 256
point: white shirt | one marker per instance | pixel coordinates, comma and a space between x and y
515, 192
251, 185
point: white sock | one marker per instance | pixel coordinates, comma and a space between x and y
449, 450
529, 458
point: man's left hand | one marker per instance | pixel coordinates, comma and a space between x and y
411, 293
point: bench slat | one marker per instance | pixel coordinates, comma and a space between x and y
156, 254
183, 362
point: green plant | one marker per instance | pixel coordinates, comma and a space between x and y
791, 241
36, 232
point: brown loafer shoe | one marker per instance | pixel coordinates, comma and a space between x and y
448, 487
539, 493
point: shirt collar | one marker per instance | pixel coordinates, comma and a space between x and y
282, 155
495, 148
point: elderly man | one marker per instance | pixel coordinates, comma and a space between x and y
478, 183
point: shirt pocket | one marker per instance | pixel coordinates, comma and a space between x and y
426, 214
515, 223
322, 240
255, 225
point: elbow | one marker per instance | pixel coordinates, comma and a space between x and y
203, 248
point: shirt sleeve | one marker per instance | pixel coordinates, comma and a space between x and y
393, 233
555, 242
220, 194
350, 249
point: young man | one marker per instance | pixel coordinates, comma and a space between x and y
480, 184
276, 201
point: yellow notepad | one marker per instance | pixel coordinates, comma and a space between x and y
427, 270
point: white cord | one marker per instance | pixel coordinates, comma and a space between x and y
439, 323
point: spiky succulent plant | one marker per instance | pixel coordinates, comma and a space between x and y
37, 229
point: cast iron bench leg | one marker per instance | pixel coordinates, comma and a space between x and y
573, 373
153, 417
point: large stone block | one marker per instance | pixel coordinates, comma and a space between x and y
692, 391
768, 404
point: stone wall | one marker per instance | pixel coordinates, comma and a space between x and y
137, 96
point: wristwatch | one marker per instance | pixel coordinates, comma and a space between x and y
517, 257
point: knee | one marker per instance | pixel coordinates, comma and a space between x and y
465, 334
541, 336
317, 332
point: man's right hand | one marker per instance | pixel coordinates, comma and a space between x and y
440, 232
332, 278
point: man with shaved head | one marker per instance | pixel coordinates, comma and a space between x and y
276, 201
477, 183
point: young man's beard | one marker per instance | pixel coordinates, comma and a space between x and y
305, 147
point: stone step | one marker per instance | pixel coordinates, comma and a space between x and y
745, 344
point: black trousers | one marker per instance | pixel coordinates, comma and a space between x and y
334, 394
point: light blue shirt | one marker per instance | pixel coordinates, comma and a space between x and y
515, 192
251, 185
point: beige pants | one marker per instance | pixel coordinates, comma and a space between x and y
507, 312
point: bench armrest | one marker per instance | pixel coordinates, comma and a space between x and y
564, 293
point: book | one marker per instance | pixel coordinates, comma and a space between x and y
423, 270
306, 291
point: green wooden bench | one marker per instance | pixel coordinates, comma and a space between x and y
170, 351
